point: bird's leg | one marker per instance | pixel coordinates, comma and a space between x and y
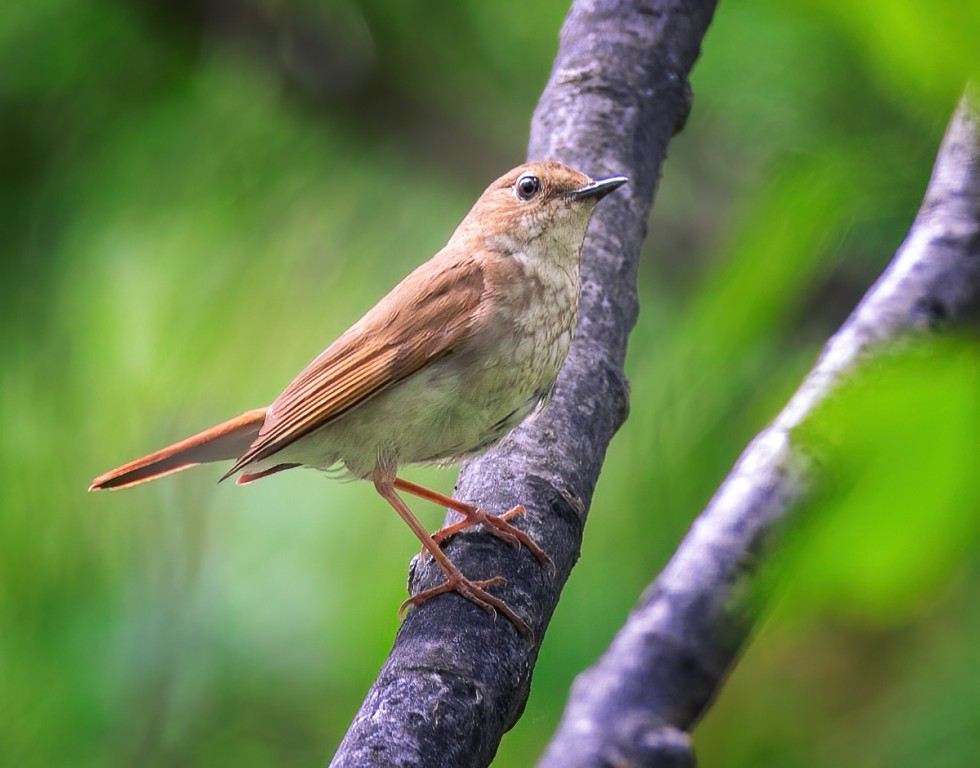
474, 591
497, 525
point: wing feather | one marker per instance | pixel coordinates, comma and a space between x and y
422, 319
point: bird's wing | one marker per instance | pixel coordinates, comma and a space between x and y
421, 320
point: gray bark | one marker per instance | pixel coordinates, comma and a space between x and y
457, 679
637, 704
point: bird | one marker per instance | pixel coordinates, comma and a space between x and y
455, 356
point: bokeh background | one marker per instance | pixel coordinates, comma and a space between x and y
196, 196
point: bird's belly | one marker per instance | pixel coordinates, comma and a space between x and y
441, 414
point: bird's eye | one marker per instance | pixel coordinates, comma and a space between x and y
527, 187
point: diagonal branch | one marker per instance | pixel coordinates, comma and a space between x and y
456, 679
637, 703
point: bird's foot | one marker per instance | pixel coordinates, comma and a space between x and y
499, 526
475, 592
474, 516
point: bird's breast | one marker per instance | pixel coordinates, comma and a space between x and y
530, 331
514, 359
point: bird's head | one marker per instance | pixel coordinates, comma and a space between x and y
543, 204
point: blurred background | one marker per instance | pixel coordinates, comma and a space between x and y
196, 196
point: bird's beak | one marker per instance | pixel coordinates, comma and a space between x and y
597, 189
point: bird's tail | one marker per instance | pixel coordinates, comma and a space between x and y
227, 440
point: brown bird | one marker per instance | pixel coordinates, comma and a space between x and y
454, 357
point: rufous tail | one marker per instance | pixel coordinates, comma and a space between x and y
227, 440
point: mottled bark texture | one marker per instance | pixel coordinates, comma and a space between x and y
457, 679
637, 704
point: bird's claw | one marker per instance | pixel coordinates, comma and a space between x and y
475, 592
499, 526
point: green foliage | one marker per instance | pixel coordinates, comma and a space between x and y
897, 516
192, 207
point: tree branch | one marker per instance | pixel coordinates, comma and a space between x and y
456, 679
636, 704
